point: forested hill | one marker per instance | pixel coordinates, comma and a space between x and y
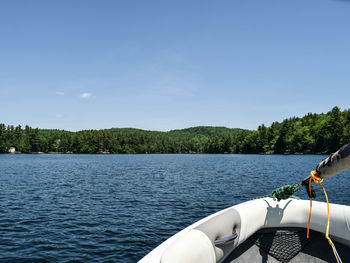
114, 140
207, 131
313, 133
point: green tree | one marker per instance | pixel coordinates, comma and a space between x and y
3, 138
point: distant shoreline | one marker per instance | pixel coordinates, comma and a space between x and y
311, 134
71, 153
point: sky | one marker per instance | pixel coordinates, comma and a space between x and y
163, 65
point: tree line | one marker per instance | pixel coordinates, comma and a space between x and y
313, 133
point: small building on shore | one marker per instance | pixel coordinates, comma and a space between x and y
12, 150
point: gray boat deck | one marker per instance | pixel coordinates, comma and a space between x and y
315, 249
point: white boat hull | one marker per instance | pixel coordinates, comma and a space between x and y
196, 243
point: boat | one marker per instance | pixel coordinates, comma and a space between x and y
261, 230
275, 228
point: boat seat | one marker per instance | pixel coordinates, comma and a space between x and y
194, 246
197, 245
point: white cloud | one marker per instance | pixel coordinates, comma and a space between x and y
85, 95
59, 116
61, 93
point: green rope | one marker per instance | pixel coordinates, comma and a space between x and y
284, 192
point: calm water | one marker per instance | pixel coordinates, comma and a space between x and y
116, 208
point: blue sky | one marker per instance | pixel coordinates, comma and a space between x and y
163, 65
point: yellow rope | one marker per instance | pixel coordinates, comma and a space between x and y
319, 181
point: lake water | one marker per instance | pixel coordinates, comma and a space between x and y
116, 208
